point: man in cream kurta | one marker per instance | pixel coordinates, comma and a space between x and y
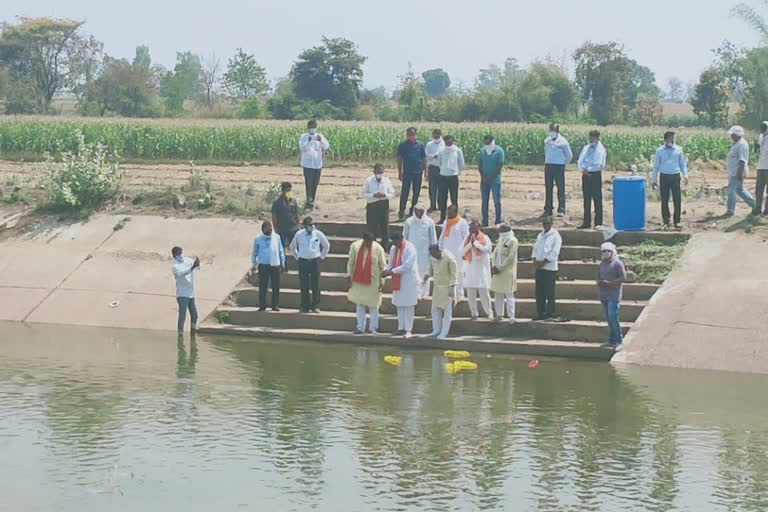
366, 295
477, 274
442, 269
504, 272
419, 229
455, 231
403, 263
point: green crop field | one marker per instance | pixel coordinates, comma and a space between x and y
364, 142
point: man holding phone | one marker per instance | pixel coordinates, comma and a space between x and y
183, 269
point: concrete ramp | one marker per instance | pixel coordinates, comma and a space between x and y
712, 311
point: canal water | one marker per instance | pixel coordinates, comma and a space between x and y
102, 420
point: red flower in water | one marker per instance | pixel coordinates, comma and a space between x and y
533, 363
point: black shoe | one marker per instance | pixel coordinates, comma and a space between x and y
545, 215
431, 209
584, 226
400, 217
541, 318
263, 308
357, 331
276, 308
303, 310
398, 333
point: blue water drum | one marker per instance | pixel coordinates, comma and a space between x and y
629, 203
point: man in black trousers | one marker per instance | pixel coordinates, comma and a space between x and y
309, 247
591, 165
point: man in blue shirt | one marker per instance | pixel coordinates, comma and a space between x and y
411, 165
671, 162
557, 154
268, 257
591, 165
490, 160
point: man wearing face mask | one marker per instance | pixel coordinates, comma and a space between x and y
377, 191
411, 163
489, 163
611, 275
546, 254
451, 165
312, 144
433, 150
420, 230
285, 214
557, 154
443, 271
670, 160
591, 165
310, 246
738, 169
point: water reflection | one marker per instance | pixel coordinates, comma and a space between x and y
224, 424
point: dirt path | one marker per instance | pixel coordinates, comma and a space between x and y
243, 191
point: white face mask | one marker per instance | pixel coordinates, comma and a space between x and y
553, 135
312, 131
606, 255
490, 147
379, 176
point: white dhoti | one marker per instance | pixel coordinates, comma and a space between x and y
374, 322
501, 299
485, 300
405, 318
441, 320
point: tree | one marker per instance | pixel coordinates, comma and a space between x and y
710, 98
142, 59
210, 74
602, 75
494, 77
754, 101
436, 81
639, 80
122, 88
184, 82
45, 53
648, 110
676, 92
332, 71
752, 17
244, 77
412, 96
545, 90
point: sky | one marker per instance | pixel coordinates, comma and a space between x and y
672, 37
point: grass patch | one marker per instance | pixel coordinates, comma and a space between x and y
651, 261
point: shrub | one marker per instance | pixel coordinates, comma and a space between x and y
250, 108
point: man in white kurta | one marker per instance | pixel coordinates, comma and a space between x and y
504, 272
419, 229
442, 269
403, 267
366, 263
477, 269
455, 230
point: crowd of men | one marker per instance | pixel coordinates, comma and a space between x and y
462, 261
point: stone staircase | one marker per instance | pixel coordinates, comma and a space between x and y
581, 336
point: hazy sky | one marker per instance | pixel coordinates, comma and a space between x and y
672, 37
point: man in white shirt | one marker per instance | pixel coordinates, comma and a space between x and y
738, 169
557, 154
419, 229
310, 247
377, 191
455, 231
762, 170
591, 164
403, 267
451, 165
312, 144
476, 254
433, 150
183, 269
546, 253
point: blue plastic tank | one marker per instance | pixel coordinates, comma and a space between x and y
629, 203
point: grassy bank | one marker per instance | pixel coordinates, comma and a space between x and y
276, 141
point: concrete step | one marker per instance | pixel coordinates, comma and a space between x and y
595, 332
578, 289
569, 270
526, 307
340, 245
588, 237
475, 345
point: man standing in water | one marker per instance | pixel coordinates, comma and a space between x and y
433, 150
546, 253
442, 269
411, 163
419, 229
183, 270
403, 267
312, 145
557, 154
366, 263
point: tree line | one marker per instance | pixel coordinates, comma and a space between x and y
42, 58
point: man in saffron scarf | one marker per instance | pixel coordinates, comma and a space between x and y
455, 230
367, 261
403, 266
476, 253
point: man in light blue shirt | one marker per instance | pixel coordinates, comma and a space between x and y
183, 269
557, 154
490, 160
671, 162
591, 164
268, 258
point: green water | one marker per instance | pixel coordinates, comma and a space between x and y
96, 420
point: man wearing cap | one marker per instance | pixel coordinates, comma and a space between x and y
310, 247
366, 263
312, 145
411, 163
762, 170
403, 267
377, 191
557, 154
591, 164
442, 269
419, 229
504, 272
670, 161
433, 150
285, 214
738, 169
610, 276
